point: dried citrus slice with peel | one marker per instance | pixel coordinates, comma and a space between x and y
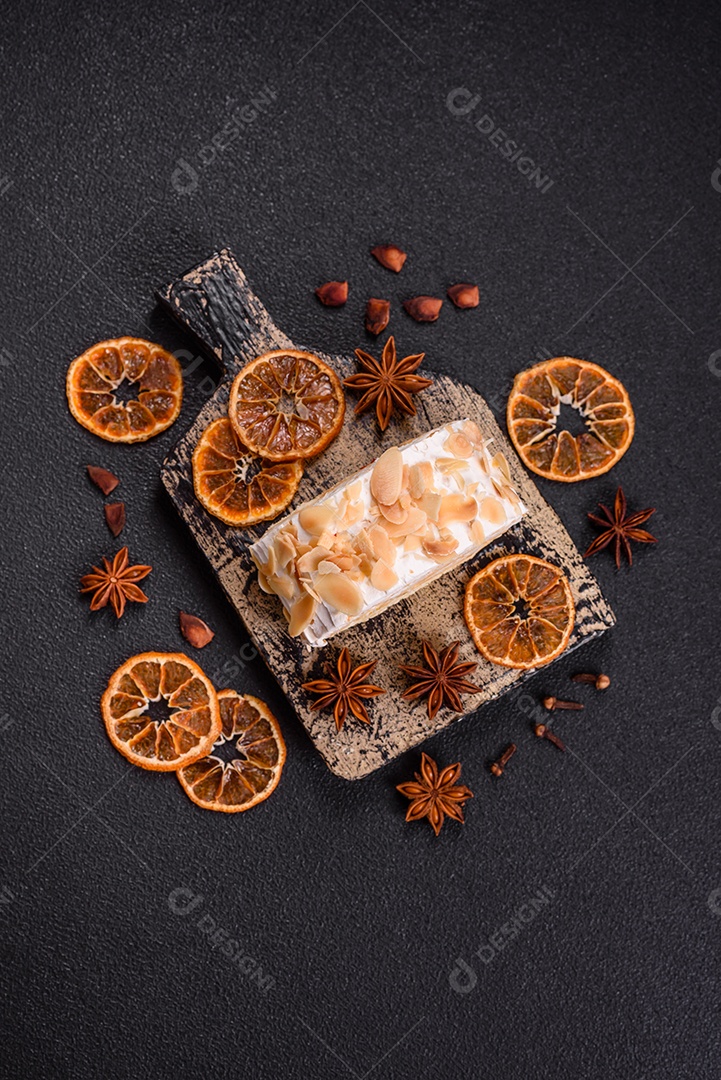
533, 410
286, 405
154, 374
236, 485
184, 723
248, 779
520, 611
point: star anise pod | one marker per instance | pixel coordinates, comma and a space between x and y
345, 689
442, 680
387, 383
115, 584
620, 527
435, 794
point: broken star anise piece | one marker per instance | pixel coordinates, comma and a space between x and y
387, 383
115, 584
345, 689
435, 794
442, 680
620, 527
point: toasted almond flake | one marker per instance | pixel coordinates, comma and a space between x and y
364, 544
430, 504
271, 562
382, 546
458, 445
354, 513
327, 538
339, 592
499, 462
497, 487
448, 466
316, 519
473, 433
478, 533
308, 563
412, 543
354, 490
328, 567
301, 615
491, 510
382, 577
264, 583
457, 508
416, 520
420, 478
284, 549
395, 513
440, 549
471, 489
285, 586
387, 476
343, 562
365, 566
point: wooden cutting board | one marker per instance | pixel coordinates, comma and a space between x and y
214, 302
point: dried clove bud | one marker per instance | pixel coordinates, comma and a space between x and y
423, 308
464, 296
195, 631
333, 293
115, 517
390, 256
378, 313
103, 479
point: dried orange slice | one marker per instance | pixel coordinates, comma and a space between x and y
187, 720
532, 417
520, 611
155, 375
236, 785
236, 485
286, 405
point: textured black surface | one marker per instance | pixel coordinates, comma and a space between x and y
358, 918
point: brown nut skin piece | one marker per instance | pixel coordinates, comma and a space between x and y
333, 293
378, 313
464, 296
390, 256
423, 308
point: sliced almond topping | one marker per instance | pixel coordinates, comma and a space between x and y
343, 562
420, 478
430, 504
363, 544
449, 465
382, 577
499, 462
395, 513
458, 445
473, 433
264, 583
327, 538
328, 567
387, 476
353, 491
471, 489
491, 510
497, 487
457, 508
271, 562
284, 549
366, 566
353, 513
301, 615
316, 519
416, 521
382, 546
440, 549
477, 531
412, 543
285, 586
339, 592
308, 563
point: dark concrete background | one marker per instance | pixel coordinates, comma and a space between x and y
110, 879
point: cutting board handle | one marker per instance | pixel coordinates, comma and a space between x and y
215, 302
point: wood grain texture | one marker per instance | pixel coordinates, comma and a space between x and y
213, 300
